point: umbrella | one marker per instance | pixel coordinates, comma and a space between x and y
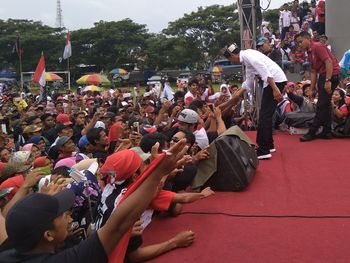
119, 71
217, 69
49, 76
94, 79
92, 88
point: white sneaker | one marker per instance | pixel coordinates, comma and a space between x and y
264, 156
272, 150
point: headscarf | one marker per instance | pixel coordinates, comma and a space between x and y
27, 147
122, 164
114, 131
68, 162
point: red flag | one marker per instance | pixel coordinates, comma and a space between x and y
68, 47
17, 48
117, 256
39, 74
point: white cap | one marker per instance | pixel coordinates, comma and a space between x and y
232, 47
188, 116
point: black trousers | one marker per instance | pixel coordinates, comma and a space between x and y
268, 107
284, 31
323, 107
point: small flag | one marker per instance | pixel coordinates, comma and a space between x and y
39, 74
17, 48
68, 47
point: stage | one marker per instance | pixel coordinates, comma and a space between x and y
297, 209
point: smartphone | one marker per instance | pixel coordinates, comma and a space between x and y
74, 224
211, 106
82, 233
5, 192
136, 126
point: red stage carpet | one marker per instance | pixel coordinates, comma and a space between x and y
310, 180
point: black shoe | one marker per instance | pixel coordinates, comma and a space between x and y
307, 137
325, 135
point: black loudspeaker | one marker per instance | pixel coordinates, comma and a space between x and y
247, 10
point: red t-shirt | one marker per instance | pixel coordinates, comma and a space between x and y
318, 54
162, 201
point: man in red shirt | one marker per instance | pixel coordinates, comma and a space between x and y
323, 63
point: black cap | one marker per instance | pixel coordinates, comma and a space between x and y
62, 140
30, 217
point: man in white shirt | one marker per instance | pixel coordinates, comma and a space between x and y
191, 94
274, 80
285, 20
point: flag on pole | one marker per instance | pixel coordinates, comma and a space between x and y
68, 47
39, 74
17, 48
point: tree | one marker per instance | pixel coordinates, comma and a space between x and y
208, 29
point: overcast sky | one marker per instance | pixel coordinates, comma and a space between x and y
83, 13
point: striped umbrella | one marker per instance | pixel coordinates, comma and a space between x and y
118, 71
92, 88
49, 76
94, 79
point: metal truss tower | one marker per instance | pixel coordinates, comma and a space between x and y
248, 25
59, 17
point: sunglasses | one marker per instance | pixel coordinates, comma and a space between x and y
175, 139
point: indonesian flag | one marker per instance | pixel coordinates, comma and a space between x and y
39, 74
68, 47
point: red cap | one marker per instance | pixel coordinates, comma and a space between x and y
89, 101
40, 162
63, 118
189, 100
150, 109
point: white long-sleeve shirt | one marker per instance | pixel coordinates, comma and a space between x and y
286, 18
257, 64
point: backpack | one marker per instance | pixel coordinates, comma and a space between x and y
342, 130
236, 163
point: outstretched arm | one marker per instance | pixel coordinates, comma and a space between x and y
130, 210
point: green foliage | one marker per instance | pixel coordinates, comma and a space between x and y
208, 29
192, 41
272, 16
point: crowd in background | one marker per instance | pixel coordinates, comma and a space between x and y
98, 144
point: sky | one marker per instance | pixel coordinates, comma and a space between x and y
155, 14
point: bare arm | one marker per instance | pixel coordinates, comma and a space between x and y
185, 198
313, 77
142, 254
130, 210
91, 124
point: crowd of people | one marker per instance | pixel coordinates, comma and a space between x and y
83, 173
299, 17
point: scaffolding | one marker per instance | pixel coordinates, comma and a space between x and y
248, 35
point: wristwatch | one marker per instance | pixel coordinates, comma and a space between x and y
328, 80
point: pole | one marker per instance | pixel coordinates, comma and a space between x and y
20, 68
68, 73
